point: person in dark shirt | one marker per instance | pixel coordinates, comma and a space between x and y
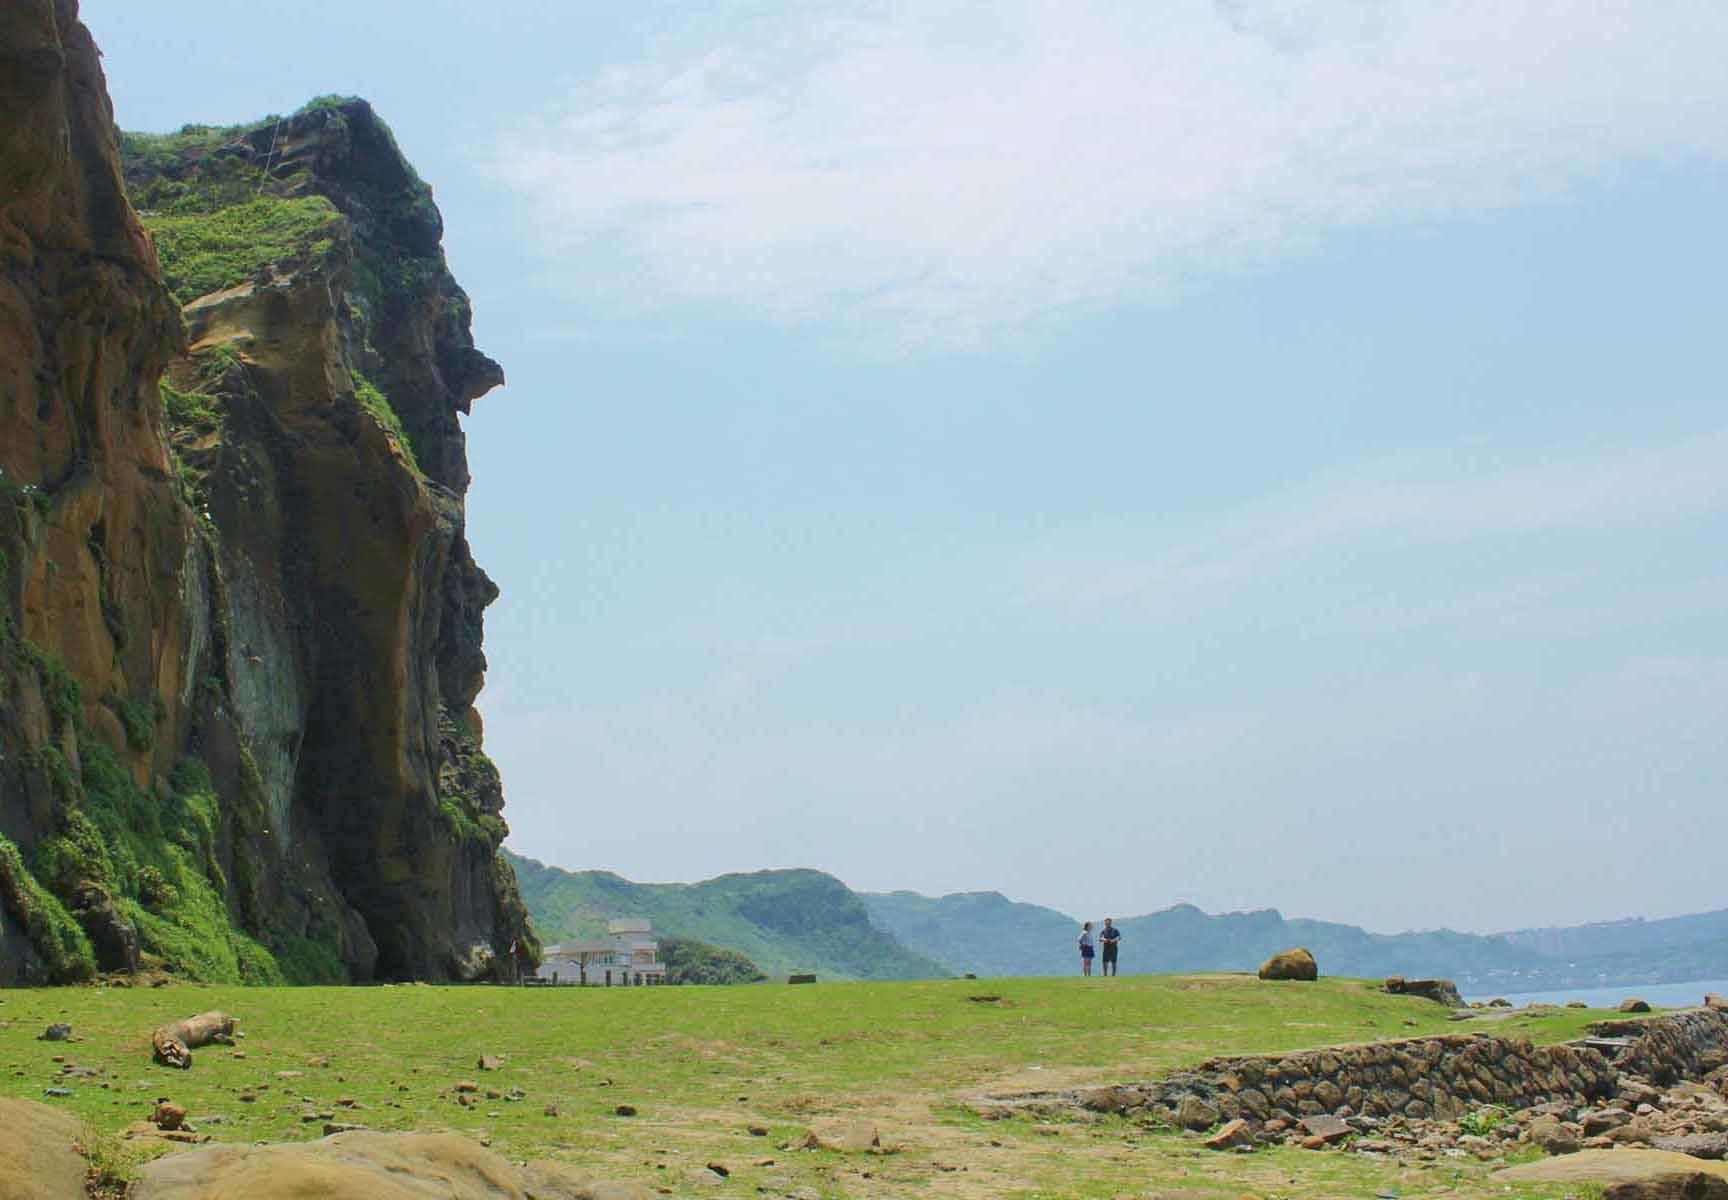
1108, 937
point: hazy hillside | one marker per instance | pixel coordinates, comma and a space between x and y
983, 932
1184, 938
810, 921
784, 921
989, 934
1632, 936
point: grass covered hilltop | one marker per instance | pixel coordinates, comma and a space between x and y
704, 1066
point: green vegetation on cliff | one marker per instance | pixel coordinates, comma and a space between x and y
206, 251
784, 921
54, 936
377, 406
153, 856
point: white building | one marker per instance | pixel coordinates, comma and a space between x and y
628, 957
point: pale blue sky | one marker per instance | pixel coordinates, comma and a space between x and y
1251, 453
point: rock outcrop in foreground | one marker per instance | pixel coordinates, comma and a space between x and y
40, 1160
239, 621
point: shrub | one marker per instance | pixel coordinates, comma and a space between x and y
1484, 1120
53, 934
154, 890
138, 718
186, 410
377, 406
204, 252
690, 961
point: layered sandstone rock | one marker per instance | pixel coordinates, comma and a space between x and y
239, 632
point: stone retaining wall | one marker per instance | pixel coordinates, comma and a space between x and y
1686, 1045
1433, 1077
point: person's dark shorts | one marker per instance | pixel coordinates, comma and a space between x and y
1109, 952
1085, 952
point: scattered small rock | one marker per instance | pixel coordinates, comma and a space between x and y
625, 1110
1553, 1135
1601, 1121
1697, 1145
1195, 1113
1441, 991
1633, 1004
57, 1032
1230, 1134
1327, 1128
490, 1062
167, 1115
852, 1137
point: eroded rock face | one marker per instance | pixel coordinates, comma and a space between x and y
240, 632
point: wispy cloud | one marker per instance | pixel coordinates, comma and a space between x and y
1408, 504
1387, 646
943, 171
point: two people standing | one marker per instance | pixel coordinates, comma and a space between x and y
1108, 937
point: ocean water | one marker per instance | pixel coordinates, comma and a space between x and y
1662, 995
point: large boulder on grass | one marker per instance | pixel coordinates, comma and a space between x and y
1291, 964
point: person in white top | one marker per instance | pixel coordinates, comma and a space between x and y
1086, 949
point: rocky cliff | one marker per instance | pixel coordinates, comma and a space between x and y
240, 624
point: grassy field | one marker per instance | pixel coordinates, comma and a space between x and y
703, 1065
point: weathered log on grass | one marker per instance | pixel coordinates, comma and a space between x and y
173, 1043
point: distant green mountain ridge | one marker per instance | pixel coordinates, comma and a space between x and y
982, 932
987, 933
1183, 938
784, 921
803, 920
